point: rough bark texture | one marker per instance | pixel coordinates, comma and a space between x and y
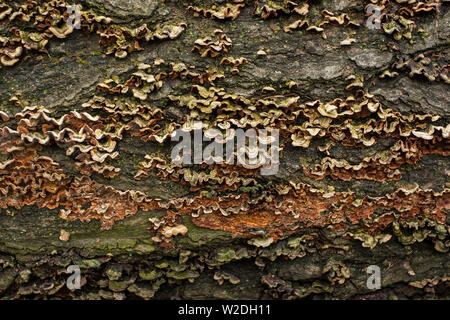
85, 170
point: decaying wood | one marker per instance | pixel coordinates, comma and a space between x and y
86, 176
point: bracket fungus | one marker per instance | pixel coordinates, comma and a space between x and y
363, 143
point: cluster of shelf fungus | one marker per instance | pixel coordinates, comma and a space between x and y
275, 216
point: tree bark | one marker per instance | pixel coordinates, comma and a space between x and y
86, 176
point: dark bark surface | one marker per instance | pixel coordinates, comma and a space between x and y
85, 171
